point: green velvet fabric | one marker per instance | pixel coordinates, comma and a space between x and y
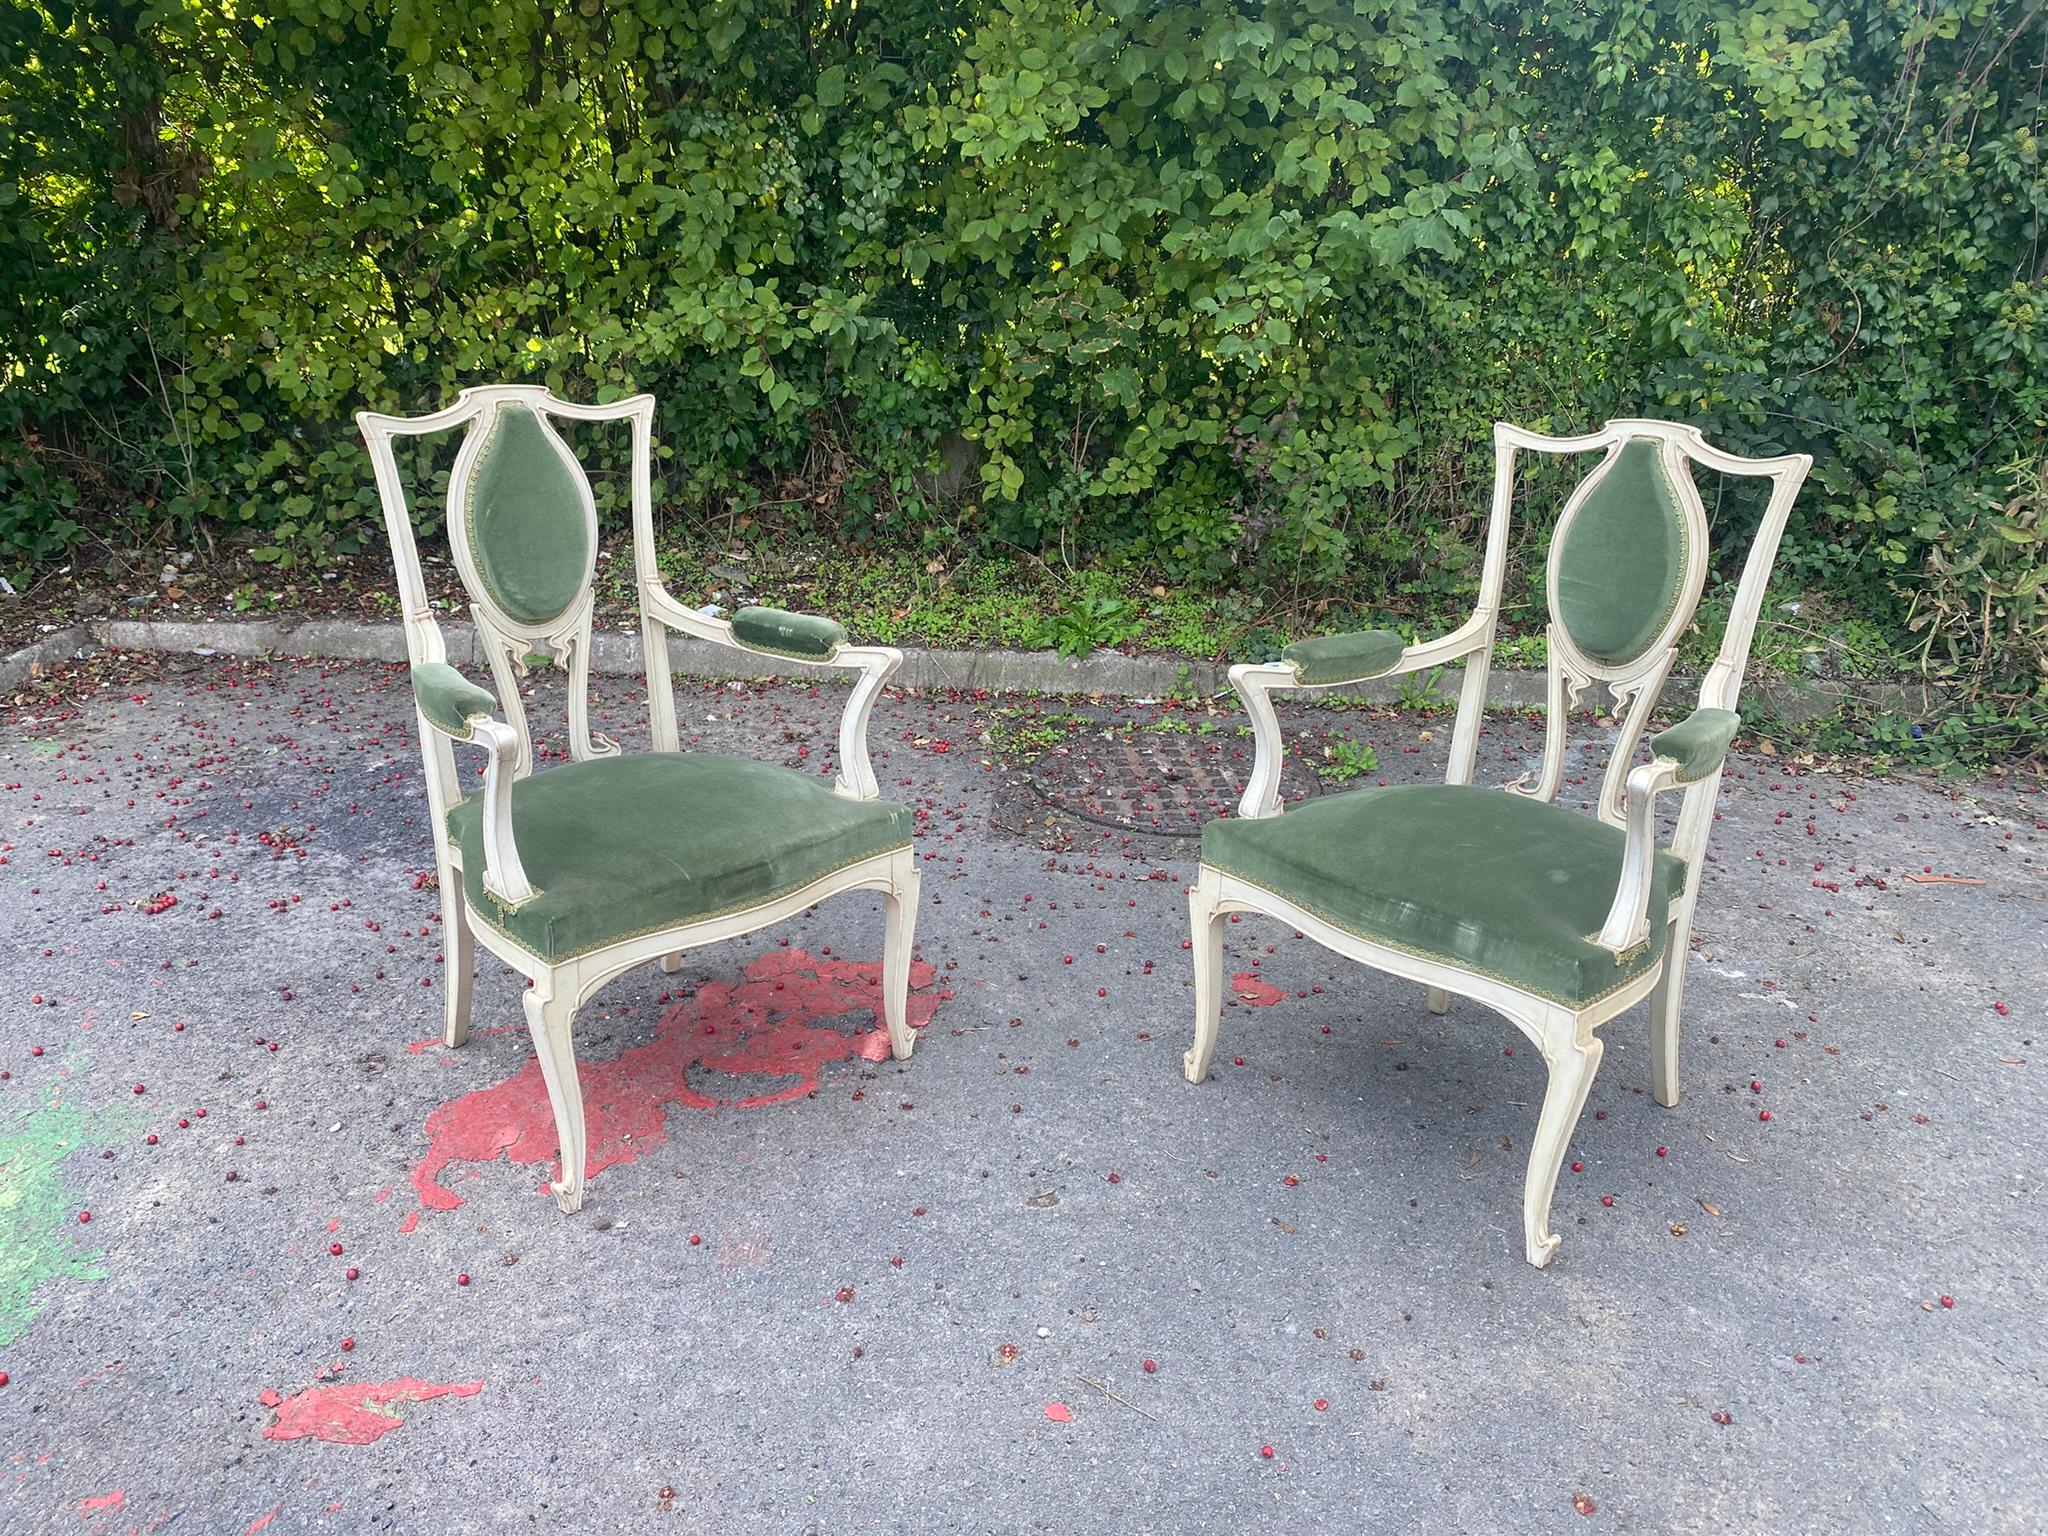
448, 699
1621, 568
624, 846
787, 634
1698, 743
1506, 886
1345, 658
527, 534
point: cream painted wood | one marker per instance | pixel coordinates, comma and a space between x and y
1564, 1036
557, 990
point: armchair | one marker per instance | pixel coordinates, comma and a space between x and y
578, 874
1557, 920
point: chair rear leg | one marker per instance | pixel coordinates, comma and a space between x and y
899, 929
1439, 1000
458, 950
548, 1018
1665, 1003
1572, 1064
1207, 925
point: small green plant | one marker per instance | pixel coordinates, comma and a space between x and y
1345, 759
1092, 621
1423, 696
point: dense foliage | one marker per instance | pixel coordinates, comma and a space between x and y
1232, 290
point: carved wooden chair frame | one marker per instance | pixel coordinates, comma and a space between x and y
560, 988
1564, 1035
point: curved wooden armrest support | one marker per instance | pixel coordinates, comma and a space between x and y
1256, 683
875, 663
1628, 920
504, 876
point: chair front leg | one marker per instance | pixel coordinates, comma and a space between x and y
1573, 1061
899, 927
549, 1017
1206, 922
458, 952
1665, 1003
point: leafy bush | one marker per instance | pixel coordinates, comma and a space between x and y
1232, 291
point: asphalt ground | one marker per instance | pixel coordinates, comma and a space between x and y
816, 1290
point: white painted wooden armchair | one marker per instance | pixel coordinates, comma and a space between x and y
1558, 920
577, 874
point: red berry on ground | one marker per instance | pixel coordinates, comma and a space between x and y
1266, 1451
1763, 1114
1948, 1301
85, 1216
1607, 1199
352, 1272
1151, 1367
1322, 1404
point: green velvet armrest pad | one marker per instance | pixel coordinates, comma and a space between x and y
449, 700
802, 635
1345, 658
1697, 743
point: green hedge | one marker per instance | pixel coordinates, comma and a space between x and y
1230, 290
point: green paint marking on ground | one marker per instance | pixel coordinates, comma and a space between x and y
37, 1225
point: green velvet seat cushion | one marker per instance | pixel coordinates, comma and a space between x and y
801, 635
624, 846
528, 536
1699, 743
1345, 658
448, 699
1621, 566
1491, 881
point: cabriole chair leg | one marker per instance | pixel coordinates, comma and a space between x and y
549, 1018
899, 921
1572, 1065
1665, 1003
1207, 925
458, 948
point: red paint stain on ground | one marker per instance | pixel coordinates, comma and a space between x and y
774, 1023
1248, 989
355, 1414
105, 1502
261, 1521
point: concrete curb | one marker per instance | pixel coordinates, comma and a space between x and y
1109, 673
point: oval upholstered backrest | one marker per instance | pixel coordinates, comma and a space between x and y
1619, 572
525, 518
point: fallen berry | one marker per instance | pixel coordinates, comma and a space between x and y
463, 1278
1151, 1367
1948, 1301
1266, 1451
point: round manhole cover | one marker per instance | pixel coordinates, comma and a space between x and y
1166, 778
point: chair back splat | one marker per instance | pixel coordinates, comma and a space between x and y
1628, 561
